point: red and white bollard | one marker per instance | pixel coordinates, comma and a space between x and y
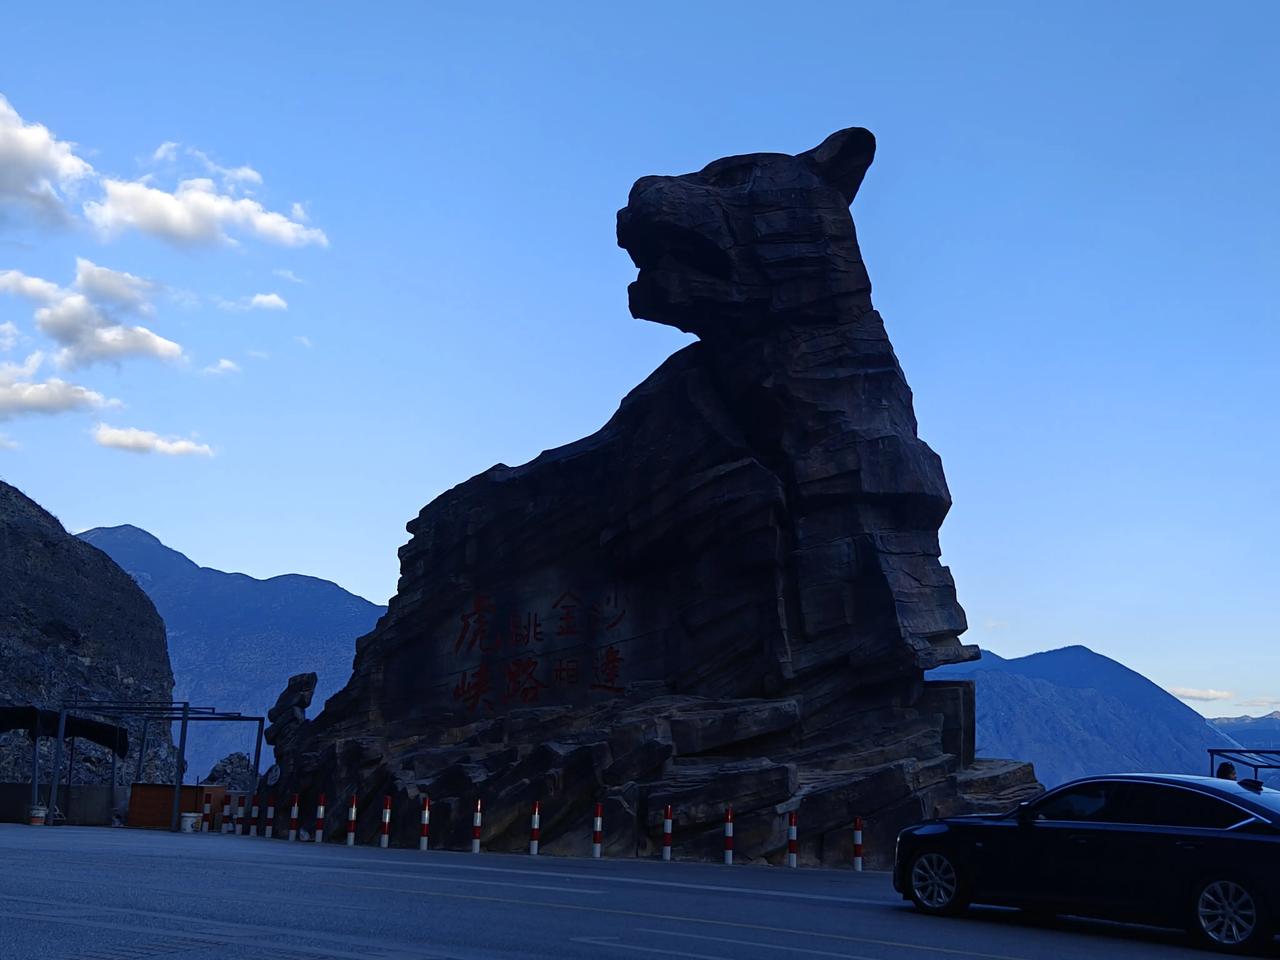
857, 843
293, 820
320, 820
351, 822
424, 838
385, 839
666, 833
240, 815
206, 818
476, 819
253, 817
792, 841
728, 835
270, 830
597, 831
226, 814
535, 828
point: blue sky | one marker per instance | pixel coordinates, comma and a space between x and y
1071, 227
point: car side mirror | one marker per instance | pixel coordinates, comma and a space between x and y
1024, 813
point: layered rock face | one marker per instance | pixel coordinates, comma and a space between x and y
728, 595
74, 625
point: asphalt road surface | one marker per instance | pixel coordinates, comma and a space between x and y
69, 893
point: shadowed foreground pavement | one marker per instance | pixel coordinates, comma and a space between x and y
69, 893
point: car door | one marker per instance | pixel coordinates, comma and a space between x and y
1051, 856
1171, 836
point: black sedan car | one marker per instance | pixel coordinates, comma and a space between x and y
1191, 852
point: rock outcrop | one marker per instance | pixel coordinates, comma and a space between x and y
74, 625
728, 595
234, 771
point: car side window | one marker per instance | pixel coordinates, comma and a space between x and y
1168, 806
1088, 802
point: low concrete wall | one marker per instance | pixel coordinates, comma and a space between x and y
90, 804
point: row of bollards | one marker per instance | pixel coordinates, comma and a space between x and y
233, 822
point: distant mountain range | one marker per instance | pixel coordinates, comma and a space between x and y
1075, 713
234, 640
1258, 733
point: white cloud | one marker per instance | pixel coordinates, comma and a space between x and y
116, 343
40, 174
144, 441
195, 214
8, 337
231, 176
288, 275
36, 168
78, 323
166, 152
9, 372
113, 287
259, 301
32, 288
268, 301
259, 354
1195, 693
305, 341
7, 444
20, 395
223, 366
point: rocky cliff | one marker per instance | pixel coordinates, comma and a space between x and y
74, 625
727, 595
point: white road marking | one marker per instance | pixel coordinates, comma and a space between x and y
605, 878
612, 942
758, 945
404, 875
551, 905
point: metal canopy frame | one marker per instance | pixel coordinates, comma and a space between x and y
1255, 759
170, 711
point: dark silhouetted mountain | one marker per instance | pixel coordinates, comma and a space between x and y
1076, 713
234, 640
73, 626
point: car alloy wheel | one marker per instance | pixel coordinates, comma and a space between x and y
1227, 913
934, 881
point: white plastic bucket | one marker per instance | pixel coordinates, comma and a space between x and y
190, 822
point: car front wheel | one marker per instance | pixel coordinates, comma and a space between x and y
935, 885
1228, 915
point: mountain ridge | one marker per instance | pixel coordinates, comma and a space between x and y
235, 639
1074, 712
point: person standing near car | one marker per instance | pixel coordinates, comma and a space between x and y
1226, 771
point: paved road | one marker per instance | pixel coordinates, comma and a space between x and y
69, 893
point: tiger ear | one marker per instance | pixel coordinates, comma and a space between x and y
843, 158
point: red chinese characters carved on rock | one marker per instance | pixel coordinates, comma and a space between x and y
584, 624
525, 629
475, 626
567, 605
608, 612
522, 681
606, 670
565, 673
473, 687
